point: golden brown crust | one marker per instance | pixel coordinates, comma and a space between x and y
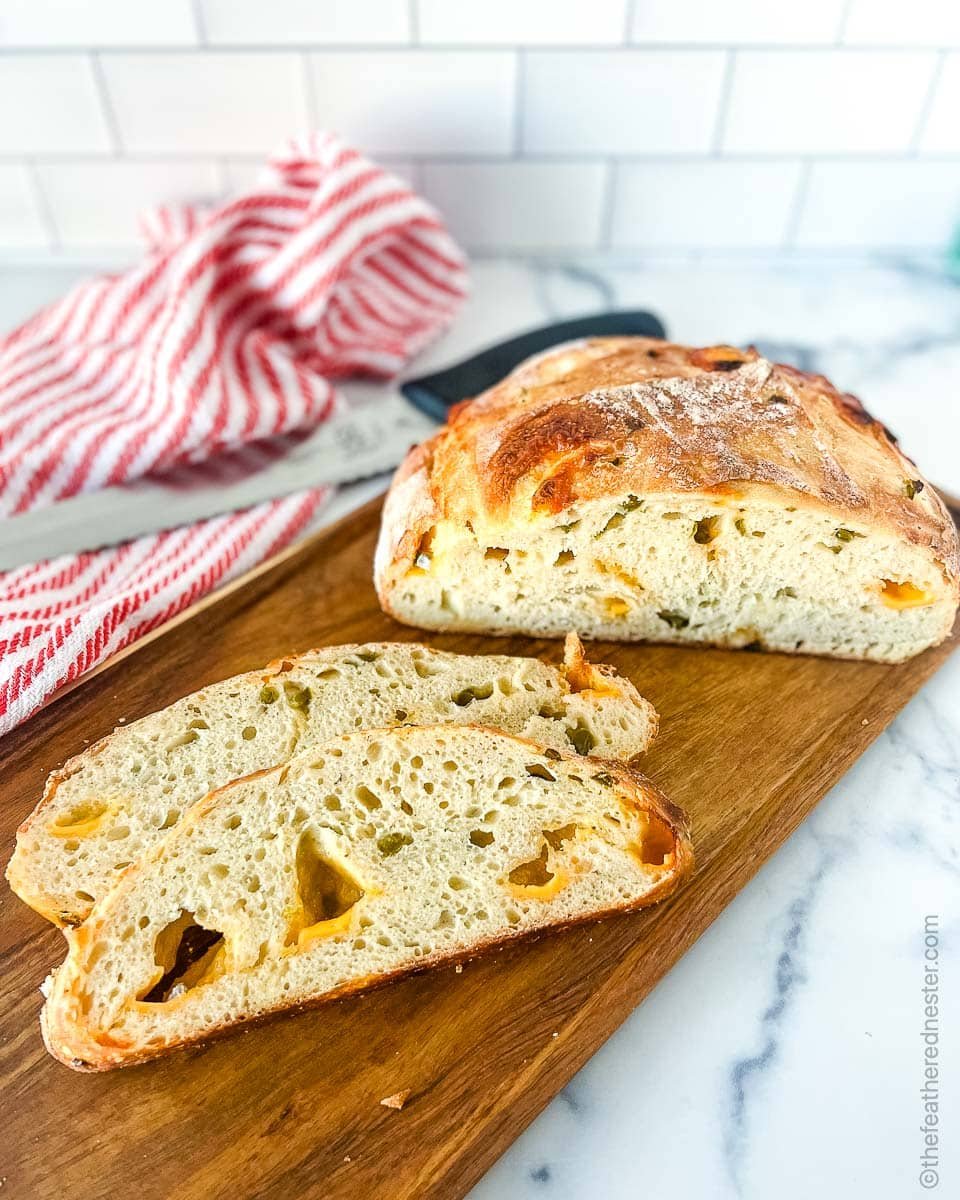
71, 1042
610, 416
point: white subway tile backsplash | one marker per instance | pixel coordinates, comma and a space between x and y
736, 22
50, 105
509, 22
418, 102
889, 23
692, 125
206, 103
243, 173
21, 224
519, 206
825, 102
97, 23
99, 204
251, 22
621, 102
941, 131
703, 204
852, 205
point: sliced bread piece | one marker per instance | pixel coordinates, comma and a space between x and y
638, 490
108, 806
381, 853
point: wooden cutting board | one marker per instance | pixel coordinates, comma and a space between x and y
749, 743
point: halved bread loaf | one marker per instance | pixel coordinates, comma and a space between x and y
637, 490
109, 805
378, 854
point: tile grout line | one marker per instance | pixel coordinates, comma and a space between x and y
798, 206
609, 204
44, 207
106, 106
200, 25
519, 102
844, 21
723, 104
629, 21
927, 106
638, 48
311, 100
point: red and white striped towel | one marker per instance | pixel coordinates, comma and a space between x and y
231, 331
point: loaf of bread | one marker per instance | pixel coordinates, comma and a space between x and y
111, 804
633, 489
378, 854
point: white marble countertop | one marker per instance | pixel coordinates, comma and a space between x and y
784, 1055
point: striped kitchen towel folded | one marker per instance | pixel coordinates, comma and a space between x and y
230, 333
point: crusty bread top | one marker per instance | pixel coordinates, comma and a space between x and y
610, 416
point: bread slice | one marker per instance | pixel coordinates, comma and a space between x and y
381, 853
637, 490
108, 806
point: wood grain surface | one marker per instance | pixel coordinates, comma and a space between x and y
290, 1108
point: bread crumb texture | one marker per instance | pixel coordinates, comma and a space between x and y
641, 491
113, 803
382, 853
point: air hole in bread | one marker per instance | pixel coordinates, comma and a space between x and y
326, 893
539, 771
424, 553
187, 955
615, 606
564, 557
469, 694
481, 837
392, 843
184, 739
495, 553
581, 738
370, 801
556, 837
533, 873
705, 530
248, 733
656, 842
903, 595
297, 696
613, 523
80, 821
